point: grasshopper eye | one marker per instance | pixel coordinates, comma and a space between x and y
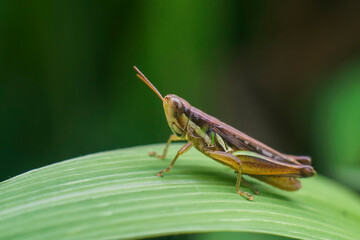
177, 104
178, 108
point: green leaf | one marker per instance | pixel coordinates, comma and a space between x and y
116, 195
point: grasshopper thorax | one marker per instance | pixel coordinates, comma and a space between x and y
177, 113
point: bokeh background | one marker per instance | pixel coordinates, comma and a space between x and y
284, 72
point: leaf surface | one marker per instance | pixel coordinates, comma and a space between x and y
116, 195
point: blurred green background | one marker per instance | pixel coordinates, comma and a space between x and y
284, 72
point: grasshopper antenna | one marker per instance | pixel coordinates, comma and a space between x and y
147, 82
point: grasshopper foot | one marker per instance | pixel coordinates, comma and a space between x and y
161, 173
246, 195
154, 154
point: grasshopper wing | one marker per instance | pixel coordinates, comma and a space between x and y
241, 141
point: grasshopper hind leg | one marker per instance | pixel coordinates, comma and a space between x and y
249, 185
252, 187
172, 138
233, 162
246, 195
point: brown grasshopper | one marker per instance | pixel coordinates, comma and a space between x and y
229, 146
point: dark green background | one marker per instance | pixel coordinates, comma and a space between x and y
284, 72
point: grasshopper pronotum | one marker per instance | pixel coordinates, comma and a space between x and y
229, 146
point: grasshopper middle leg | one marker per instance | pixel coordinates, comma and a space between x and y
172, 138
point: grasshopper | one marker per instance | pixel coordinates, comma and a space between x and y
229, 146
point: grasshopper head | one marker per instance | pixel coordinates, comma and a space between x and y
175, 108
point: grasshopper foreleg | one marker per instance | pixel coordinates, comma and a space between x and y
163, 155
233, 162
182, 150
